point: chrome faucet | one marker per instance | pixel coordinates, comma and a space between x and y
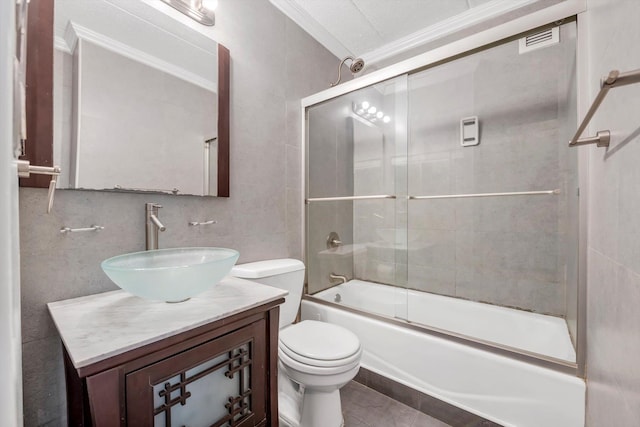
153, 224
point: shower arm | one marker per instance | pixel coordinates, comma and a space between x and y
357, 64
340, 70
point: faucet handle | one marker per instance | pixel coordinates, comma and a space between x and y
333, 240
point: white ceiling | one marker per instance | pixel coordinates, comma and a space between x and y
378, 29
363, 25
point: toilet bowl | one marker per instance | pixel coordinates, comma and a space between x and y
322, 358
315, 359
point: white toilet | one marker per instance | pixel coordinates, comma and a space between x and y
316, 359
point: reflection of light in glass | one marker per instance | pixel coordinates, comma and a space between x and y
369, 112
210, 4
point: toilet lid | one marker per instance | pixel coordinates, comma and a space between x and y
319, 340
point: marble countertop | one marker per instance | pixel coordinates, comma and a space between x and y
97, 327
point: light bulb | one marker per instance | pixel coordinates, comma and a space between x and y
365, 105
372, 110
210, 4
386, 119
360, 111
379, 114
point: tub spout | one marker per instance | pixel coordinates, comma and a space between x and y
343, 279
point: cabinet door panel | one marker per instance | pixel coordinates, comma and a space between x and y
219, 383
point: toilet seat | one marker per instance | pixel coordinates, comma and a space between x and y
323, 371
320, 344
319, 363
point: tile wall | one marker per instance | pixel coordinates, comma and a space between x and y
330, 175
613, 277
511, 251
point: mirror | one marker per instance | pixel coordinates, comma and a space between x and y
140, 100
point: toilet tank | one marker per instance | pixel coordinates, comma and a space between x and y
287, 274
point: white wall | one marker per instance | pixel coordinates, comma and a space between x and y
10, 360
613, 279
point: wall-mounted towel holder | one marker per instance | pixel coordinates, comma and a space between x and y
25, 169
65, 230
614, 79
196, 223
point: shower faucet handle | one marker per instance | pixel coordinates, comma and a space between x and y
333, 240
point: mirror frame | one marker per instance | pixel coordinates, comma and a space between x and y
38, 148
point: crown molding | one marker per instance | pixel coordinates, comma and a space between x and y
301, 17
59, 43
71, 37
419, 38
75, 32
444, 28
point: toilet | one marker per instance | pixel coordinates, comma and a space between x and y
315, 359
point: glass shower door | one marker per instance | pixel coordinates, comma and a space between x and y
356, 199
493, 197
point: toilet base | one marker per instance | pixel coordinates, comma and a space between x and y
321, 409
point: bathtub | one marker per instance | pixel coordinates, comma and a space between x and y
507, 391
532, 332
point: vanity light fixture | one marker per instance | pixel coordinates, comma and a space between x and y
210, 4
198, 10
370, 112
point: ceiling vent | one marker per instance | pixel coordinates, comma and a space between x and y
539, 40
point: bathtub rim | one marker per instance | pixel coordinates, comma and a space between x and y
559, 365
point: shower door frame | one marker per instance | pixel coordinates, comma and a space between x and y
464, 46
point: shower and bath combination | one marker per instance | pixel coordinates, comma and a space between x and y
357, 64
458, 226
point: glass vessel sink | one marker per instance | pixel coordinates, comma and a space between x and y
171, 275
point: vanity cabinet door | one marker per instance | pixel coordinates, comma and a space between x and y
219, 383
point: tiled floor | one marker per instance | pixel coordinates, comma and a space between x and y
364, 407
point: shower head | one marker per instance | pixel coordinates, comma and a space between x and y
357, 64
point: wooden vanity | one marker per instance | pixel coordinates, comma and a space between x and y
211, 360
